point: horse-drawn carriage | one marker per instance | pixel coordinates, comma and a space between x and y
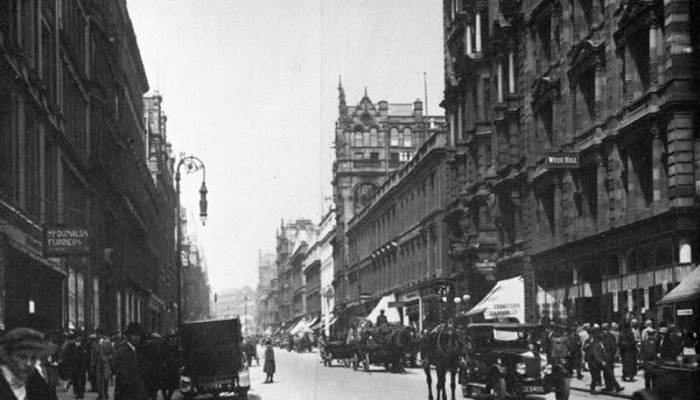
337, 350
386, 345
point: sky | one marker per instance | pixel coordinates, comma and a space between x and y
250, 88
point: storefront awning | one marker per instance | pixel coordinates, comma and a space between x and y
506, 299
391, 313
687, 290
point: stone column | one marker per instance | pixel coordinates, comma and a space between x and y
659, 178
511, 72
602, 202
653, 52
558, 220
478, 32
468, 39
499, 80
618, 196
599, 91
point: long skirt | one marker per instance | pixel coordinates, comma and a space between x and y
629, 364
269, 367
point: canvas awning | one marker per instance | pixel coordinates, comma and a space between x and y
506, 299
391, 313
687, 290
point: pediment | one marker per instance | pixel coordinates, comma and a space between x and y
584, 51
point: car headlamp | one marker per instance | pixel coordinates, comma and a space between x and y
244, 378
547, 369
185, 383
520, 368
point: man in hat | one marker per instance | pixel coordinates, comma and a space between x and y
648, 353
22, 376
129, 383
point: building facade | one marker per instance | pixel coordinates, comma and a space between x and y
371, 142
75, 154
578, 125
266, 275
240, 302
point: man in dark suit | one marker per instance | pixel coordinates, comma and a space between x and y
21, 375
129, 383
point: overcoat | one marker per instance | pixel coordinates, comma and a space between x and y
269, 367
129, 384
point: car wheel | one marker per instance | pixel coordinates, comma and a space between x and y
499, 388
644, 394
563, 391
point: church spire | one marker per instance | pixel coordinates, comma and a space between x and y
342, 105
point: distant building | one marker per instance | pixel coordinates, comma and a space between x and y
372, 141
265, 306
240, 302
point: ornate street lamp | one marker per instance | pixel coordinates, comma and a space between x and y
192, 164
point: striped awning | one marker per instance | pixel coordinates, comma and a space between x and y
687, 290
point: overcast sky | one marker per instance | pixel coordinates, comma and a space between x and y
250, 87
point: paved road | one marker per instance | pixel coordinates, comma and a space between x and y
303, 377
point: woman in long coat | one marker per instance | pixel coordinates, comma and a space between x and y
628, 353
269, 367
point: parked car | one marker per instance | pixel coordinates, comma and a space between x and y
215, 363
672, 380
504, 360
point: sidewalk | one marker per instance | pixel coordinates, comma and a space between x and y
583, 385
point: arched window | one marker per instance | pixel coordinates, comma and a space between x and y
365, 139
364, 193
358, 139
373, 137
407, 137
394, 137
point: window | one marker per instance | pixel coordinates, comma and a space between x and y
543, 46
365, 139
394, 137
405, 156
358, 139
96, 302
364, 194
407, 137
32, 164
72, 298
373, 137
394, 157
80, 294
374, 155
584, 100
636, 65
359, 155
28, 40
381, 142
8, 143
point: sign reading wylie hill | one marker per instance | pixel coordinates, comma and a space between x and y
66, 241
561, 160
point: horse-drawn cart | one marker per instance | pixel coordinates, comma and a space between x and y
385, 345
338, 350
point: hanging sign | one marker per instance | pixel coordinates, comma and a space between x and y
561, 160
485, 266
60, 241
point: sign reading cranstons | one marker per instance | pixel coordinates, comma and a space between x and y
561, 160
485, 266
62, 241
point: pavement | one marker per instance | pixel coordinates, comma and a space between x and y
304, 377
583, 385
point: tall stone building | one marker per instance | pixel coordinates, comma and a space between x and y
577, 121
75, 154
266, 274
372, 141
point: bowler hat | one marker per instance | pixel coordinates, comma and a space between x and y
26, 339
134, 328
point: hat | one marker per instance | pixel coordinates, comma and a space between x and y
596, 326
634, 321
134, 328
663, 329
24, 339
605, 325
651, 330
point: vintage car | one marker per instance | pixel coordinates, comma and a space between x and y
215, 363
503, 360
672, 380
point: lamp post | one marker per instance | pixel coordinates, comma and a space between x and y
192, 164
245, 315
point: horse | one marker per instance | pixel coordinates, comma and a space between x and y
442, 348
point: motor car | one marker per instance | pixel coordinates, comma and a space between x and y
503, 360
215, 363
671, 379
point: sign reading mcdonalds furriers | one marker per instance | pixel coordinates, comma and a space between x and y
66, 241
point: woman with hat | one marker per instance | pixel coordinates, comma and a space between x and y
22, 376
269, 367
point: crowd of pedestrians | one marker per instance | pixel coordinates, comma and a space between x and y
597, 348
33, 365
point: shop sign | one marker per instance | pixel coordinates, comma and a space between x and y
485, 266
561, 160
66, 241
684, 311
